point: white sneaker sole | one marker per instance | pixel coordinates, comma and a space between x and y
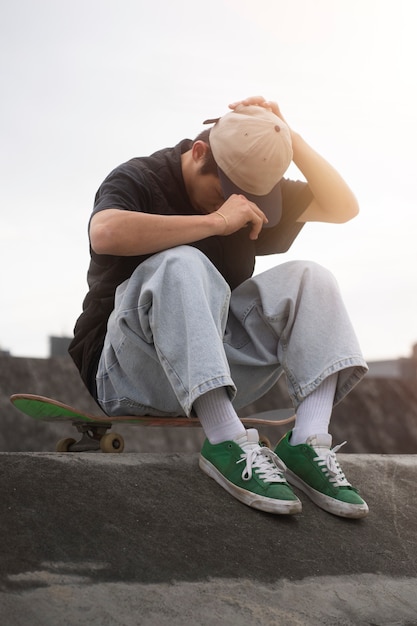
269, 505
331, 505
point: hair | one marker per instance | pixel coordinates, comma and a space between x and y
209, 166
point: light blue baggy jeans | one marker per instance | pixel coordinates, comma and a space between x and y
177, 332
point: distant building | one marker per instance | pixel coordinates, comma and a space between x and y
395, 368
58, 346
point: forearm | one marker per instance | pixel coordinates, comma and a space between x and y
334, 200
127, 233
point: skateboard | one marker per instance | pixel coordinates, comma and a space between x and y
93, 428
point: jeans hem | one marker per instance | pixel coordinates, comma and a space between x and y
209, 385
357, 364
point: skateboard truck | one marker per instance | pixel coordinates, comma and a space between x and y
94, 437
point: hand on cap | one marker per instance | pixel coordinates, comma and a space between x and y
238, 212
261, 102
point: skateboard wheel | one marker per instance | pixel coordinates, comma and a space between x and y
112, 442
64, 445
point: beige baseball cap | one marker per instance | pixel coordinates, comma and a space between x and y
252, 148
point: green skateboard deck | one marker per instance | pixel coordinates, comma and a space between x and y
93, 428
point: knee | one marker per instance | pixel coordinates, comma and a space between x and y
314, 270
186, 256
180, 261
174, 259
316, 277
305, 276
186, 265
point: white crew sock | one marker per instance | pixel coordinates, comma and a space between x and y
218, 418
313, 414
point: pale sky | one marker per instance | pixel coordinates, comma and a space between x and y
88, 84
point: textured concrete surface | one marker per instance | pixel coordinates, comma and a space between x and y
148, 539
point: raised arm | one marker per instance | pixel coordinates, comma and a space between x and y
333, 200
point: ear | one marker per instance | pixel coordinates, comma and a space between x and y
198, 150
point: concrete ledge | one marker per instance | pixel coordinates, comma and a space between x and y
149, 539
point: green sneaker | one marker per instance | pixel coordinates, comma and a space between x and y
251, 473
313, 468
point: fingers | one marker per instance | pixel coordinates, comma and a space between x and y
238, 212
258, 101
257, 225
252, 100
257, 218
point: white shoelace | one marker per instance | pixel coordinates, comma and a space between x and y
264, 462
331, 468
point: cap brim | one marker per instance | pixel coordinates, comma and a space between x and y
271, 204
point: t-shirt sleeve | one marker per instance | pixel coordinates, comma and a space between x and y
296, 196
124, 188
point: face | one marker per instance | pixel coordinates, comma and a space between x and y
207, 194
204, 189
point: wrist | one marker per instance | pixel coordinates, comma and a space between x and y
224, 218
220, 222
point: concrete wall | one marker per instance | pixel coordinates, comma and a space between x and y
378, 416
147, 539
